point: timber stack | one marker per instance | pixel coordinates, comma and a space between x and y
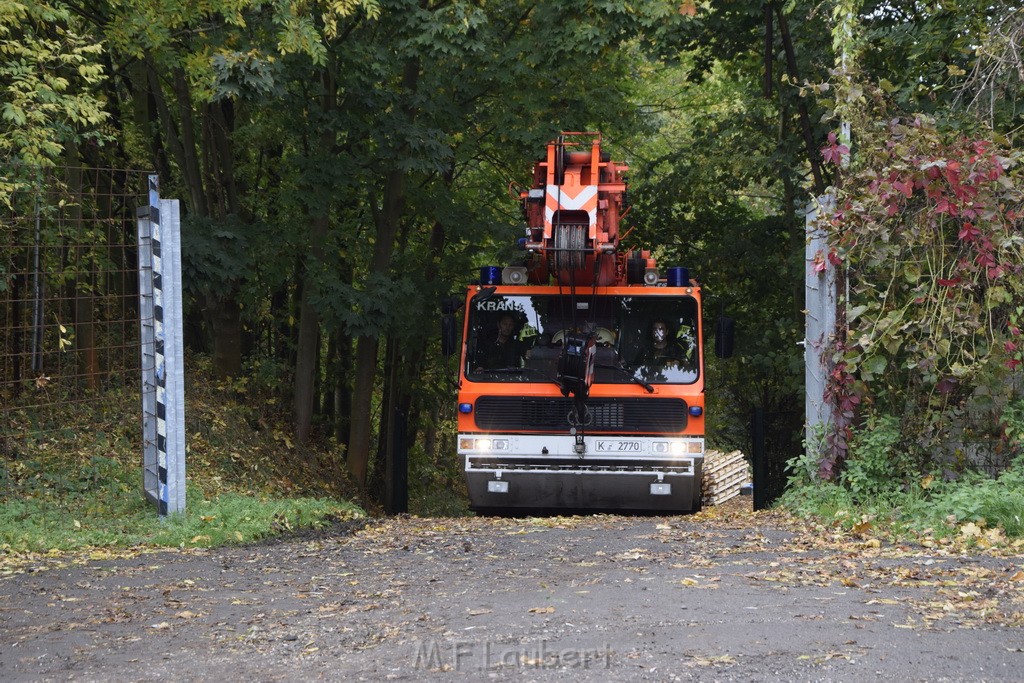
724, 475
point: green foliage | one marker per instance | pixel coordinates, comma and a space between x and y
876, 464
378, 305
940, 511
824, 500
436, 488
729, 215
1013, 424
216, 258
46, 524
49, 73
951, 60
975, 498
62, 489
878, 484
928, 223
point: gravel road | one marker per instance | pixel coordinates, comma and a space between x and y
723, 595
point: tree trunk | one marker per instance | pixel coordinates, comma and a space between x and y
380, 480
401, 371
226, 325
342, 392
83, 287
366, 350
805, 118
183, 146
308, 347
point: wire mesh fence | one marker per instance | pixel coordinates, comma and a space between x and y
69, 311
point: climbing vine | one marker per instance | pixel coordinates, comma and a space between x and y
929, 226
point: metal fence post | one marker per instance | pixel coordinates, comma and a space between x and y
175, 354
762, 494
163, 391
820, 321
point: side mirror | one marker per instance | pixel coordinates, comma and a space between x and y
449, 325
725, 332
449, 335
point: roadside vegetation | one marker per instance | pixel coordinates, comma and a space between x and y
76, 481
881, 490
70, 487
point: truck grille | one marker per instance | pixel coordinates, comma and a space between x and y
628, 415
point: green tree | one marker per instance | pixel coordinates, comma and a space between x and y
50, 73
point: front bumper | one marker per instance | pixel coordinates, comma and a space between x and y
614, 473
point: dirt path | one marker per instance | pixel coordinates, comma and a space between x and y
718, 596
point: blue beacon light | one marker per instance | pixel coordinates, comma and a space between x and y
490, 275
678, 277
466, 408
696, 411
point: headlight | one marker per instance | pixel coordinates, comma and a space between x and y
483, 444
678, 447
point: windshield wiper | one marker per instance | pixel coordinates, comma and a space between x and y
628, 372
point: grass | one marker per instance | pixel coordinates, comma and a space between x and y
71, 478
44, 524
971, 508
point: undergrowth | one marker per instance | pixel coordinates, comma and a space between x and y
66, 487
879, 488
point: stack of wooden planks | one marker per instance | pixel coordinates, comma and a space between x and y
724, 475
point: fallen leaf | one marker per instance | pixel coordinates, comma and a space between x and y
970, 530
542, 610
861, 528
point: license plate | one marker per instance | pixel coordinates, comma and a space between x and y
618, 446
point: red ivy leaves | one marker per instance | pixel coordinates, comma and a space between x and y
840, 394
905, 187
950, 186
912, 190
947, 205
1014, 349
969, 233
833, 152
820, 263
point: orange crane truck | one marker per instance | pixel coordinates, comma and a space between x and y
581, 377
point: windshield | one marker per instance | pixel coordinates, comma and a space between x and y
518, 338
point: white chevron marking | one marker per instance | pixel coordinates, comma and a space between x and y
572, 203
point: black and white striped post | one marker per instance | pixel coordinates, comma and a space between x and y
162, 349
